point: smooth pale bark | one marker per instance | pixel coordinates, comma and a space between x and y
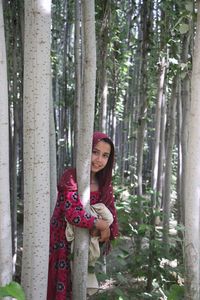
168, 165
192, 181
102, 70
161, 175
155, 164
52, 156
36, 148
179, 165
185, 103
5, 220
78, 74
85, 145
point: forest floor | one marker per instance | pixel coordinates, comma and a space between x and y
110, 287
118, 283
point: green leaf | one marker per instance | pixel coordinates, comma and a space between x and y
183, 28
119, 292
14, 290
121, 278
189, 6
176, 292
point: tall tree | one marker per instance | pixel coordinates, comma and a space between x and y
5, 220
145, 28
80, 267
183, 116
102, 68
169, 164
78, 73
52, 153
192, 182
36, 148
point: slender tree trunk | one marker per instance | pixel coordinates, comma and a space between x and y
168, 168
154, 179
36, 148
161, 173
143, 84
63, 126
85, 145
192, 182
5, 220
78, 74
180, 161
185, 103
102, 58
143, 104
156, 143
52, 156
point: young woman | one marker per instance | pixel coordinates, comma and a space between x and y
69, 207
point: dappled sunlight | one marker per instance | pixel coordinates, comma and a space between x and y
46, 5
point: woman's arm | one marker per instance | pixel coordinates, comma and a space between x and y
73, 211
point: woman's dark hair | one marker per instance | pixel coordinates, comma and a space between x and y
105, 175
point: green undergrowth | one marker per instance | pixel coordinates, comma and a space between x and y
128, 262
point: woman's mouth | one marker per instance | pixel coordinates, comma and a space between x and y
96, 166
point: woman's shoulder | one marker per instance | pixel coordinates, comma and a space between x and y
68, 180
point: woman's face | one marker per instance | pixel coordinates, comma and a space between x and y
100, 156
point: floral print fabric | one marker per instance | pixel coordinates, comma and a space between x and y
68, 207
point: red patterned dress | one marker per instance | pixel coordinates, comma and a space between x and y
68, 207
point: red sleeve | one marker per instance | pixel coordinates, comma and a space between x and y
73, 211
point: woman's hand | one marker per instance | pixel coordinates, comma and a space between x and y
105, 235
101, 225
101, 229
94, 232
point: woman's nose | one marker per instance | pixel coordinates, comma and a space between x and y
99, 158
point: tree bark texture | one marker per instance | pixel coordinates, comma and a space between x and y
168, 164
36, 148
85, 145
192, 182
52, 155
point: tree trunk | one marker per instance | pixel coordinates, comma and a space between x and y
52, 156
185, 102
154, 179
161, 175
85, 145
143, 84
168, 167
102, 58
192, 182
5, 220
78, 75
156, 143
36, 148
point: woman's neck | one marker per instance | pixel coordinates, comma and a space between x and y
94, 186
93, 178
